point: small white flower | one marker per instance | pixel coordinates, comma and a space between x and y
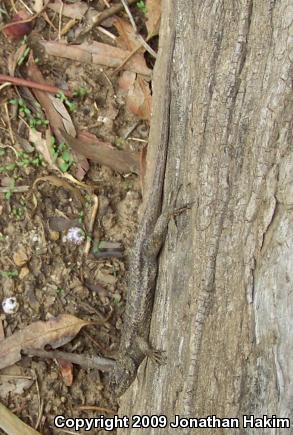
10, 305
75, 235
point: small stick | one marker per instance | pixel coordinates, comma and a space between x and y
9, 124
85, 361
95, 408
31, 84
87, 246
98, 19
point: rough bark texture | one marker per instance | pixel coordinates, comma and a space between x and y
224, 302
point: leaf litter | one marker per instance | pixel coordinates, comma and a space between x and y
57, 278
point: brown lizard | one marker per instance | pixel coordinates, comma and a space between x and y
143, 265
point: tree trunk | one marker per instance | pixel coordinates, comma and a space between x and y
224, 302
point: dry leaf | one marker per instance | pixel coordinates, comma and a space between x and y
66, 118
42, 145
139, 99
77, 10
97, 53
153, 17
103, 153
20, 257
53, 116
55, 332
38, 5
127, 37
24, 271
16, 29
11, 424
66, 369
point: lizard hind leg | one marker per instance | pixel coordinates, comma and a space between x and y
157, 356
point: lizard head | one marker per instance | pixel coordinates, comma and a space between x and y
122, 376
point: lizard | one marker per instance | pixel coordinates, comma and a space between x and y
143, 264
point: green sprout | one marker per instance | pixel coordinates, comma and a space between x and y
25, 112
12, 274
61, 154
142, 6
23, 58
72, 106
80, 92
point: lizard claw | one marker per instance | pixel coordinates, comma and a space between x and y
158, 356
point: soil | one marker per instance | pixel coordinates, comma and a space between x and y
46, 273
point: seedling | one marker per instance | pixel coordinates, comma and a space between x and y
142, 6
25, 112
12, 274
61, 155
23, 58
80, 92
70, 104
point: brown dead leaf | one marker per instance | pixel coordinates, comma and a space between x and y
38, 5
153, 17
97, 53
66, 370
76, 10
103, 153
42, 145
139, 99
52, 115
11, 424
20, 257
55, 332
127, 37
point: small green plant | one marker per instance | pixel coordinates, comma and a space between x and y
60, 291
80, 92
23, 58
23, 160
26, 113
70, 104
18, 212
61, 155
142, 6
12, 274
81, 217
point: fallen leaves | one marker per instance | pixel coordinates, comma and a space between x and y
97, 53
55, 332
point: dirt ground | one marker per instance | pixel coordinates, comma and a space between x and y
48, 274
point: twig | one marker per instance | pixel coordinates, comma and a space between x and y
31, 84
87, 246
127, 10
95, 408
132, 53
16, 189
26, 6
85, 361
138, 36
147, 47
60, 20
9, 124
98, 19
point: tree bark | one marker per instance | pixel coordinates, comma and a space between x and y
224, 302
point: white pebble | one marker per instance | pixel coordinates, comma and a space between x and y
10, 305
